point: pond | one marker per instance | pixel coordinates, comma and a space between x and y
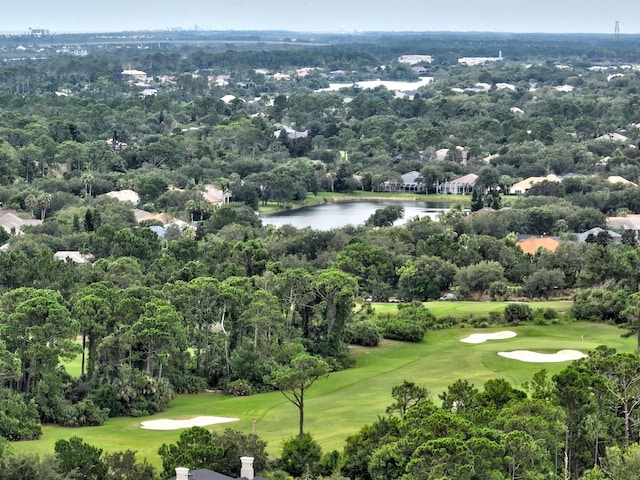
339, 214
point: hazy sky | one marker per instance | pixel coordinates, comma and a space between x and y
562, 16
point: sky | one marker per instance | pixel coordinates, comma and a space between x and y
546, 16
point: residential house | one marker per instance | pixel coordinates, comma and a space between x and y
612, 137
143, 215
291, 133
617, 179
594, 232
475, 61
523, 186
125, 196
413, 59
281, 76
630, 222
459, 186
73, 255
213, 194
13, 224
134, 76
531, 244
246, 473
408, 184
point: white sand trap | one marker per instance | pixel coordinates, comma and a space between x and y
169, 424
483, 337
534, 357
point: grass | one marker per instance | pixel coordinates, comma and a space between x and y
339, 405
475, 309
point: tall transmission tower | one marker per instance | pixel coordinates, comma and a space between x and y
617, 29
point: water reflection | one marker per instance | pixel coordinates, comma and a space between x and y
339, 214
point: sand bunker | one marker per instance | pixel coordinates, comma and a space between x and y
534, 357
483, 337
169, 424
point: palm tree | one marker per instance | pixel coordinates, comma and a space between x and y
31, 202
44, 200
87, 180
191, 207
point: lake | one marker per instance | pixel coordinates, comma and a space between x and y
339, 214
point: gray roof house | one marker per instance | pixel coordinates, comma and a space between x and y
13, 224
459, 186
408, 184
246, 473
594, 232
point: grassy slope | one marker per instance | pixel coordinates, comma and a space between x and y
339, 405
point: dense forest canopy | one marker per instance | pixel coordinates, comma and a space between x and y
189, 290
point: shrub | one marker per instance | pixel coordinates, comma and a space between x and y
300, 455
518, 312
106, 397
239, 388
18, 419
402, 329
495, 317
547, 313
188, 383
364, 332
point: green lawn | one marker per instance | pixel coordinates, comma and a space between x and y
339, 405
466, 309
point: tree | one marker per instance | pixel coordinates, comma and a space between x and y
194, 448
40, 330
407, 395
541, 282
385, 217
74, 458
459, 396
372, 266
92, 312
478, 277
199, 448
622, 463
31, 202
87, 180
295, 379
337, 290
632, 312
19, 419
522, 454
123, 466
44, 201
620, 374
515, 313
160, 333
299, 455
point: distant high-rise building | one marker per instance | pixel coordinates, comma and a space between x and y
39, 32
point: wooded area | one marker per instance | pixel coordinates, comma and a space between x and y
184, 289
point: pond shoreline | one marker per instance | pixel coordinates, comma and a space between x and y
327, 197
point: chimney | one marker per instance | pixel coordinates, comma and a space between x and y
182, 473
247, 468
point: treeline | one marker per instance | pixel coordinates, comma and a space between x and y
577, 424
224, 308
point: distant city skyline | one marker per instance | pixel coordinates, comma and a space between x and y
544, 16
